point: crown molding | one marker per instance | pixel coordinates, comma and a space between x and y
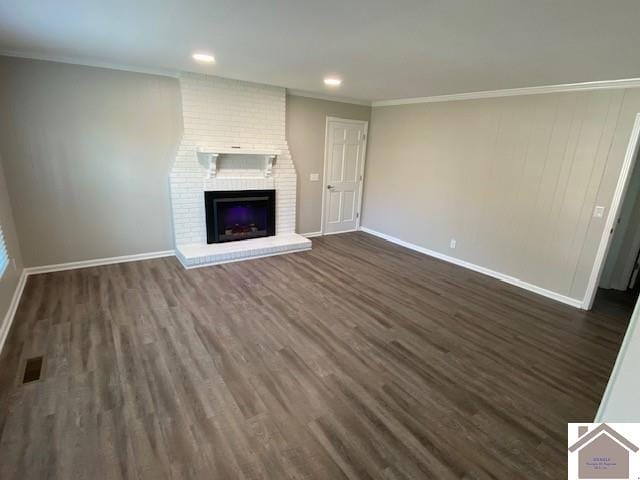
87, 62
329, 98
509, 92
512, 92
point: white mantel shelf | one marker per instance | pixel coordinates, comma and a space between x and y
198, 255
211, 156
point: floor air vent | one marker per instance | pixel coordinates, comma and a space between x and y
32, 370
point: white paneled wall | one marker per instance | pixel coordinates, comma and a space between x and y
219, 114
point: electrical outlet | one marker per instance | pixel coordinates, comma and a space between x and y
314, 177
453, 243
598, 212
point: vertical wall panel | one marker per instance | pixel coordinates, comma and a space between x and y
514, 180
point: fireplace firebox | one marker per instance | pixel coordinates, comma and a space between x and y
239, 214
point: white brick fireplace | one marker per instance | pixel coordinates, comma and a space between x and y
232, 132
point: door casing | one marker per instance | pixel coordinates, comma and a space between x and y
633, 149
330, 119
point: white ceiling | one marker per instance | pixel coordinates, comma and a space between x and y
383, 49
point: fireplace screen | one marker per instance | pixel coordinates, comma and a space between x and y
239, 215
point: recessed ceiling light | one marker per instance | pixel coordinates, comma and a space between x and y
332, 81
203, 58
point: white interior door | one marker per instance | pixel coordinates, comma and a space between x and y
343, 176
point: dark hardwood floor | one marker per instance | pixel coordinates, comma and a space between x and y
358, 359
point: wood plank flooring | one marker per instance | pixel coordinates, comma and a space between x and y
358, 359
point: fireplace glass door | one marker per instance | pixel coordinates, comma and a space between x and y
239, 215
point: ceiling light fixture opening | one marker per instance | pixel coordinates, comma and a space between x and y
332, 81
203, 58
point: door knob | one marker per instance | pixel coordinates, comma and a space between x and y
330, 187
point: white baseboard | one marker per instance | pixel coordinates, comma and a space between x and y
311, 234
13, 307
319, 234
97, 262
15, 300
342, 231
26, 272
477, 268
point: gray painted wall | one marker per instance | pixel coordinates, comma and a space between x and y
87, 153
514, 180
10, 279
306, 122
